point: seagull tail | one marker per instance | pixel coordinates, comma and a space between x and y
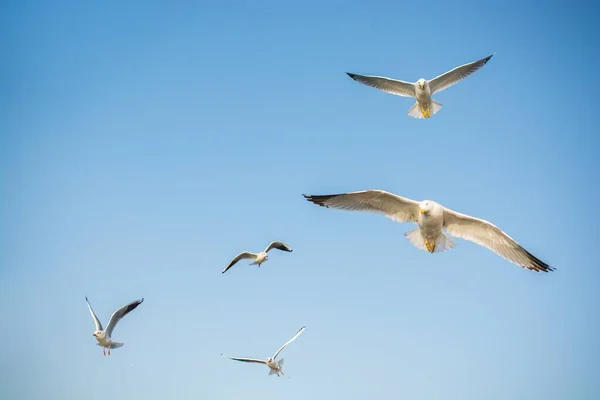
435, 106
428, 109
415, 238
443, 243
116, 345
415, 111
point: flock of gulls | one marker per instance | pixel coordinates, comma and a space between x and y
435, 223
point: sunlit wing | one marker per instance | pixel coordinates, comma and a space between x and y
119, 314
488, 235
451, 77
392, 86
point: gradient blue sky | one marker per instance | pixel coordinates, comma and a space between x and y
143, 145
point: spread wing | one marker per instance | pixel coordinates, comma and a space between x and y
250, 360
397, 208
451, 77
278, 246
289, 341
242, 255
488, 235
96, 320
120, 313
392, 86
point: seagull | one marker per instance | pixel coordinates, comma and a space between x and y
431, 218
258, 258
275, 366
104, 336
422, 89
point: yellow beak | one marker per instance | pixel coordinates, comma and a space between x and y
421, 211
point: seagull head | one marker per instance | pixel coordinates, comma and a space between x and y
421, 83
98, 334
264, 255
425, 207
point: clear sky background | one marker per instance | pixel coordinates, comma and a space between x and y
142, 146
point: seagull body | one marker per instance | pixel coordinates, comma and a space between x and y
275, 367
422, 89
258, 258
104, 336
432, 219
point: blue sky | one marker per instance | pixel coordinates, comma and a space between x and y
144, 145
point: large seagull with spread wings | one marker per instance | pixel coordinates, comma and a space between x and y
422, 89
276, 367
431, 219
103, 336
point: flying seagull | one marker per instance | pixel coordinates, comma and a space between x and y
258, 258
422, 89
275, 366
104, 336
431, 218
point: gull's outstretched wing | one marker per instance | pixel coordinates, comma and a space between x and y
392, 86
242, 255
289, 341
398, 208
120, 313
278, 246
451, 77
488, 235
250, 360
96, 320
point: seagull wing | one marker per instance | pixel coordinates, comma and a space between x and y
120, 313
392, 86
96, 320
451, 77
278, 246
242, 255
488, 235
289, 341
250, 360
398, 208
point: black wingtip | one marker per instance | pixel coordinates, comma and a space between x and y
538, 265
351, 75
319, 199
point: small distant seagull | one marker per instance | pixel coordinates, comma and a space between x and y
258, 258
104, 336
431, 218
422, 89
276, 367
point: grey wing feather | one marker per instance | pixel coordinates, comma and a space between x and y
397, 208
278, 246
451, 77
490, 236
96, 320
289, 341
241, 256
120, 313
392, 86
250, 360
